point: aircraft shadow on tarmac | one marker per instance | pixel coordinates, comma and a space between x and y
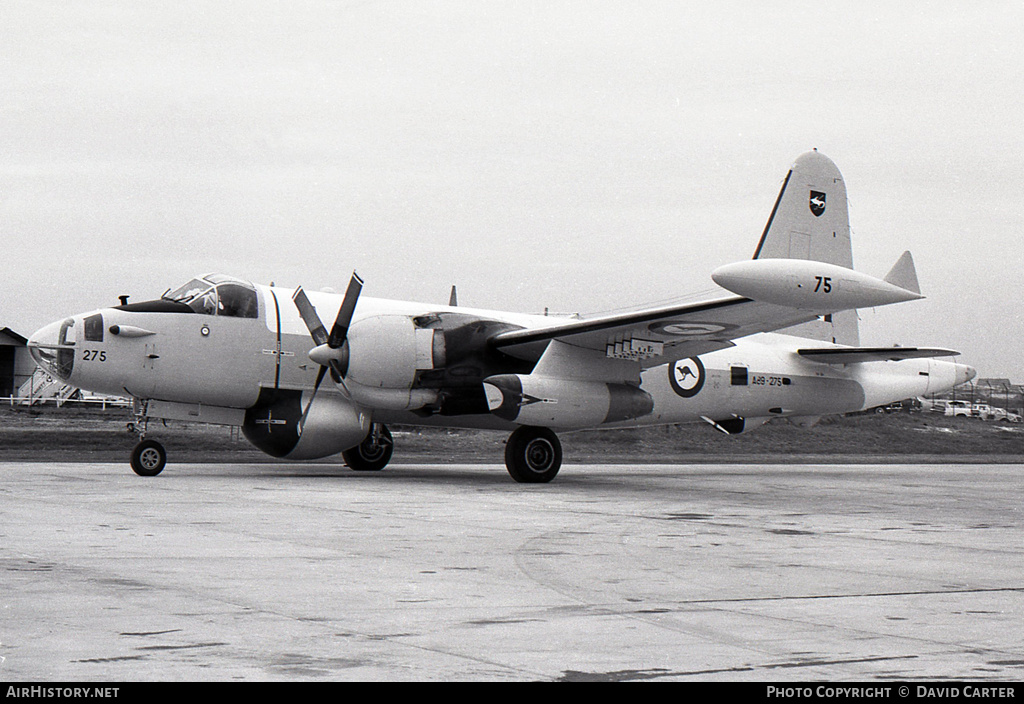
625, 478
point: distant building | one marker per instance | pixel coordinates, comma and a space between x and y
16, 364
1000, 393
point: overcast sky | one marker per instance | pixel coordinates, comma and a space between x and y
577, 155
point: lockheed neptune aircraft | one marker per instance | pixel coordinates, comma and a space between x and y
783, 345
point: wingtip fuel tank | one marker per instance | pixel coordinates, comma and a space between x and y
813, 286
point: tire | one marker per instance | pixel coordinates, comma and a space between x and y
148, 458
373, 453
533, 455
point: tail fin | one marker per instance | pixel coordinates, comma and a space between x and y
810, 220
903, 274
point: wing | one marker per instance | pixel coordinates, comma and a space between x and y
658, 335
855, 355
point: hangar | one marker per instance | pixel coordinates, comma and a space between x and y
998, 392
16, 365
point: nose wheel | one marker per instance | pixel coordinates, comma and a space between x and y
148, 458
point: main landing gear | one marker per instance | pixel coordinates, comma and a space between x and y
373, 453
533, 455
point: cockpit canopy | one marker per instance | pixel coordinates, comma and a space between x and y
217, 294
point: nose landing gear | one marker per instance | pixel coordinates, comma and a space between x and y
148, 456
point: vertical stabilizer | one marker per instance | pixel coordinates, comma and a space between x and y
811, 220
903, 274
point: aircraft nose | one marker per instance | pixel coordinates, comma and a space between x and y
50, 351
44, 338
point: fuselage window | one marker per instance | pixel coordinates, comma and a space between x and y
94, 328
739, 376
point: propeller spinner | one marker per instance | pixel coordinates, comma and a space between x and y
331, 351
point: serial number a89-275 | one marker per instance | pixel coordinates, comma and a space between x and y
764, 380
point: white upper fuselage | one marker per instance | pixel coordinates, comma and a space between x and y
225, 361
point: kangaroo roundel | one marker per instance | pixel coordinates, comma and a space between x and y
686, 376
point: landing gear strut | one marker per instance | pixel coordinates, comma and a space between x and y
533, 455
373, 453
148, 456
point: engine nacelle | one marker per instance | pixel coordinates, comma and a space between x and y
333, 424
560, 403
386, 351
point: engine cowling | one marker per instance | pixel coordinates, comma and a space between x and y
386, 351
559, 403
430, 363
333, 424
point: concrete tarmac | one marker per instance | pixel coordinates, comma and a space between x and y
313, 572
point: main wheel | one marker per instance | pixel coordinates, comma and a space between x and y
533, 455
148, 458
373, 453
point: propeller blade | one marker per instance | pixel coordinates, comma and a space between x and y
342, 386
330, 352
308, 314
316, 387
339, 331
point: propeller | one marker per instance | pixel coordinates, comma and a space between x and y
331, 351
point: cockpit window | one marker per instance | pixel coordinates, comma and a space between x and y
216, 294
188, 292
237, 300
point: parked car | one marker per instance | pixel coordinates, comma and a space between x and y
959, 408
983, 411
1004, 415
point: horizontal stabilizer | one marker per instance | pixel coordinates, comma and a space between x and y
856, 355
903, 274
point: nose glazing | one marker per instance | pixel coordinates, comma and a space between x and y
52, 349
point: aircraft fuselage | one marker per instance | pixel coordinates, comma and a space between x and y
413, 370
